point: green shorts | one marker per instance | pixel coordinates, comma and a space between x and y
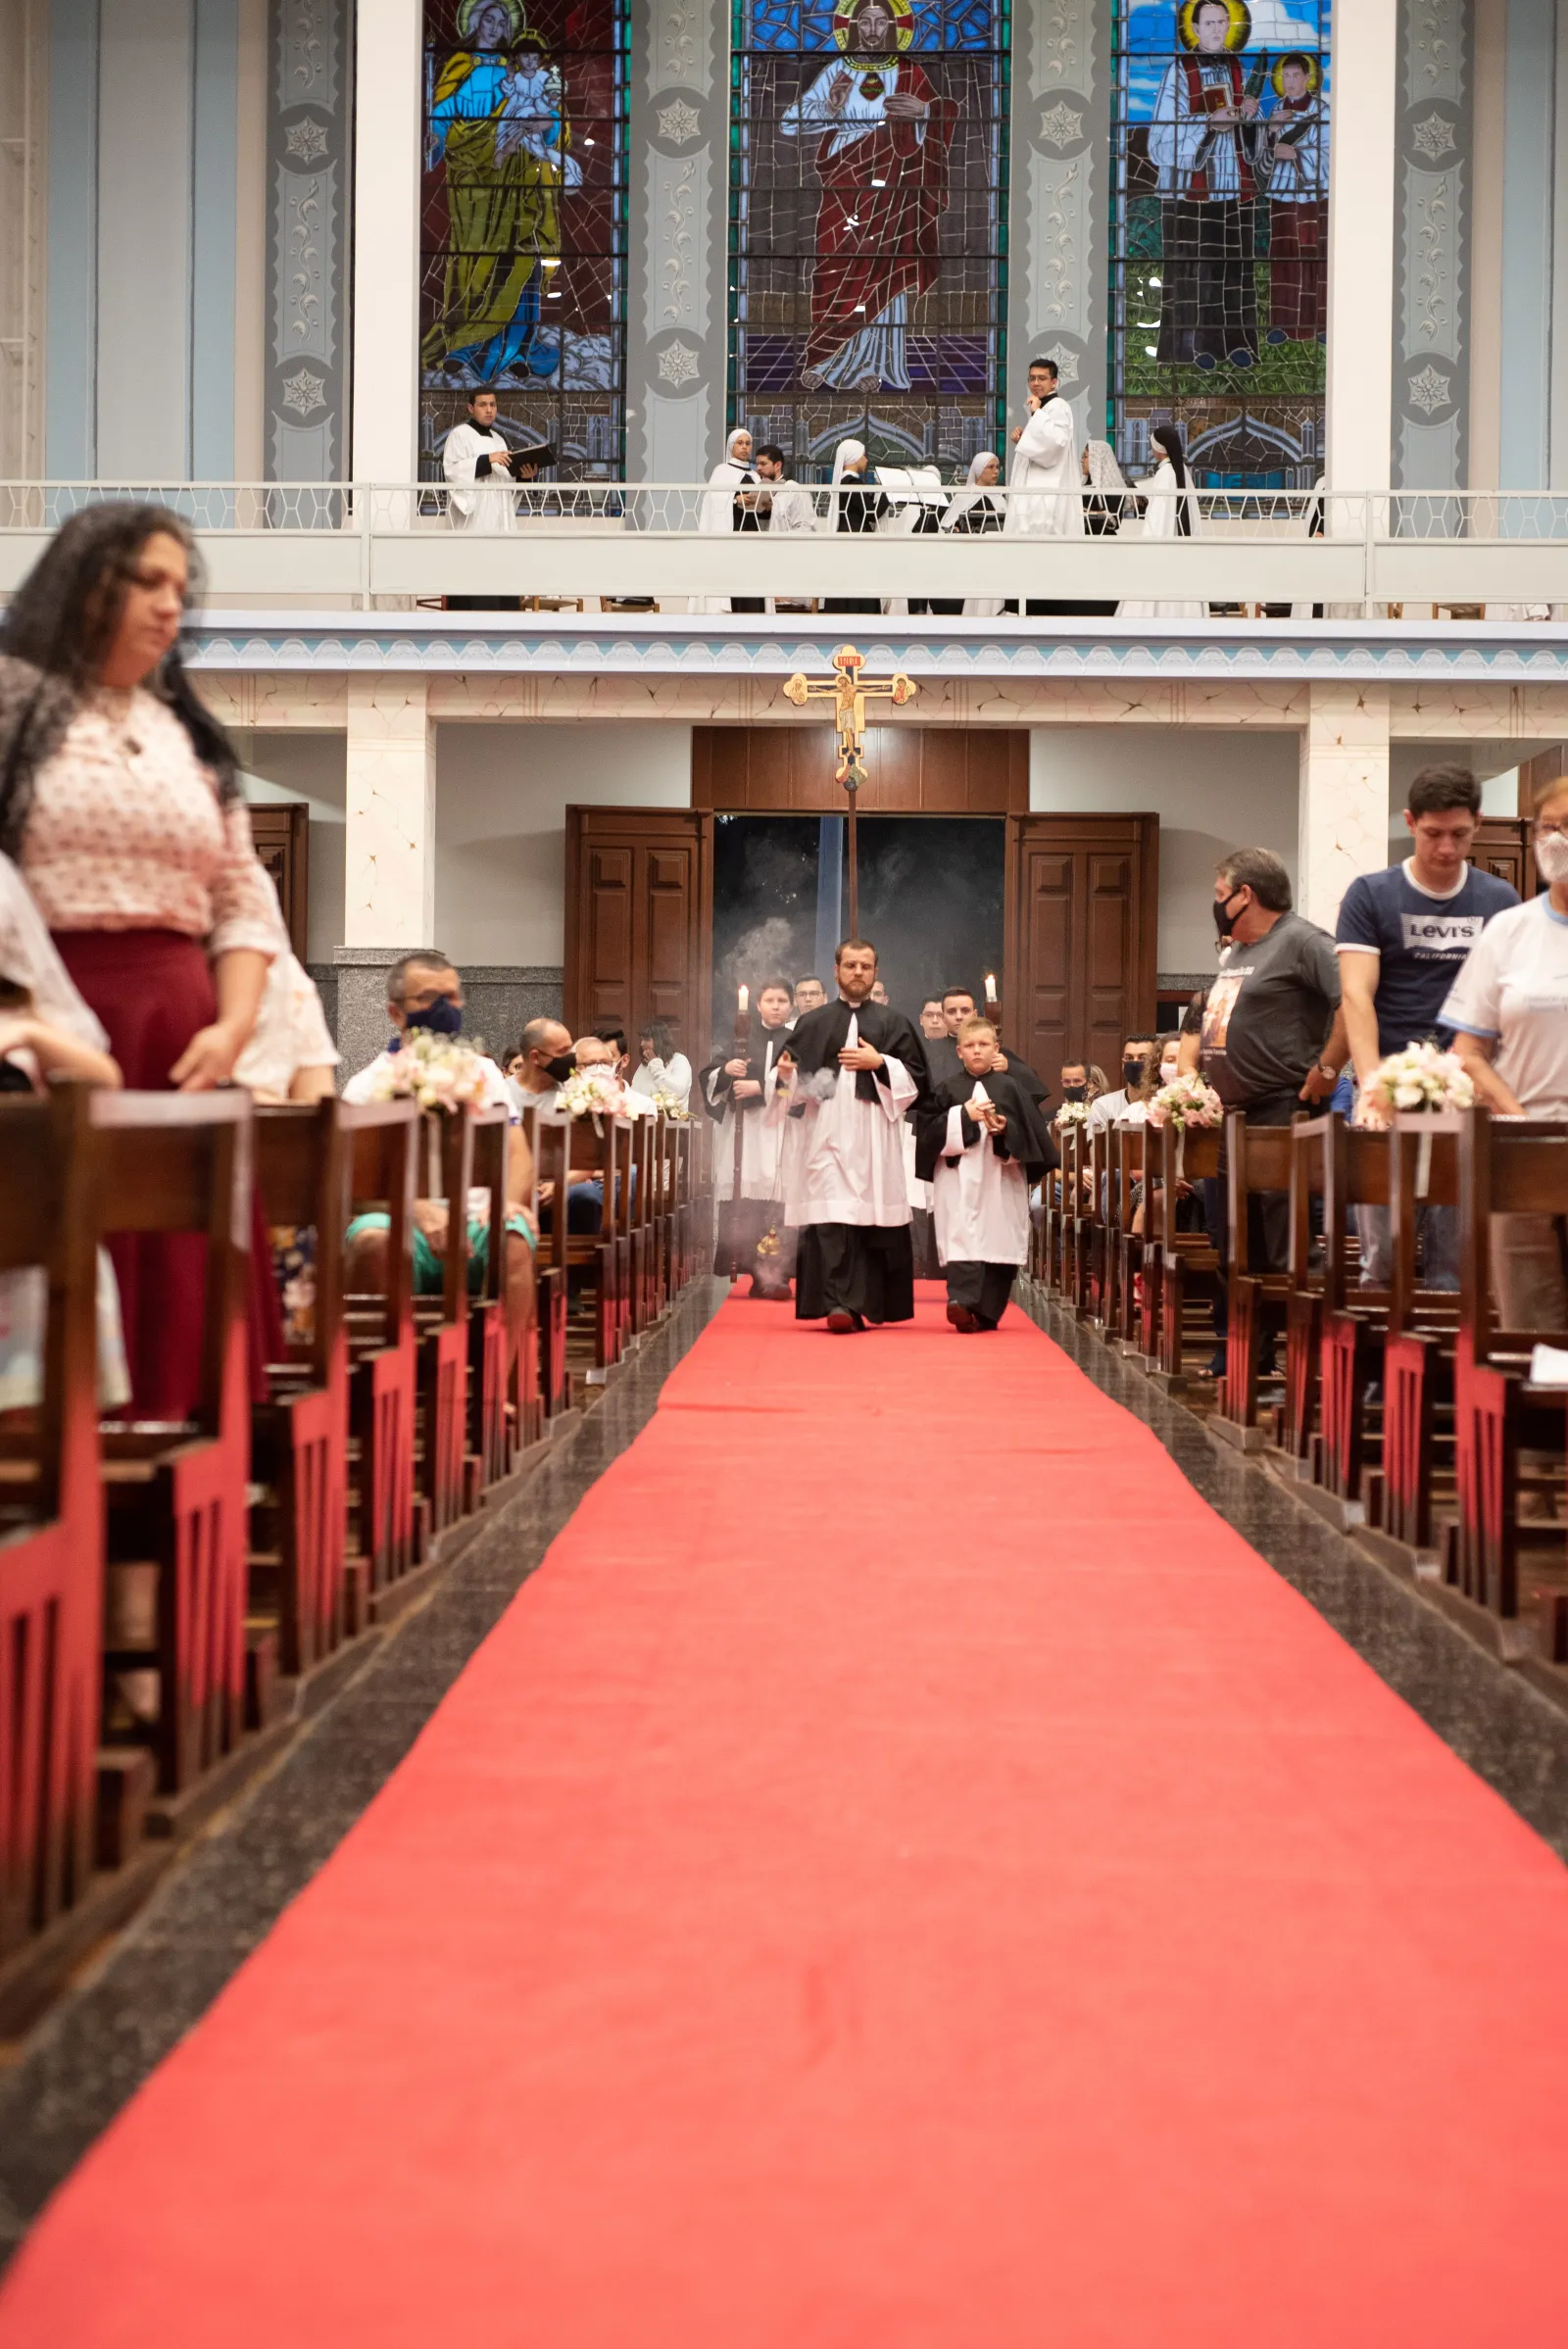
429, 1277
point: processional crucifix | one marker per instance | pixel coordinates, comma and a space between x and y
849, 693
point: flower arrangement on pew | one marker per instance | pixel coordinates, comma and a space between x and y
669, 1104
1421, 1077
439, 1072
595, 1092
1071, 1113
1186, 1100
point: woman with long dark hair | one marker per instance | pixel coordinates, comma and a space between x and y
118, 800
1170, 511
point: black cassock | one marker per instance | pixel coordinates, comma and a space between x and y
983, 1289
865, 1269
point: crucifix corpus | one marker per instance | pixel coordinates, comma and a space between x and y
849, 693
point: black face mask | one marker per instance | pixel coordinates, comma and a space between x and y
1132, 1074
1224, 920
443, 1018
560, 1067
1074, 1092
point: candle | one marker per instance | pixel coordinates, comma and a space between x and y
743, 1005
744, 1002
991, 991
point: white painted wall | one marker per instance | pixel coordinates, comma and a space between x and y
501, 794
311, 768
1213, 792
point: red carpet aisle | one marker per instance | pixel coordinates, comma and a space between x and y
903, 1876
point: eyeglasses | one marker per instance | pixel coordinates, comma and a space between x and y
1550, 831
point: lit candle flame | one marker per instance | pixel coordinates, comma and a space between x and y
991, 987
744, 1002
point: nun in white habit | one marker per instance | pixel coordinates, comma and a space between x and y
717, 516
974, 512
1171, 512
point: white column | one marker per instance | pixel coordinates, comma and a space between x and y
388, 81
1361, 176
389, 850
1342, 800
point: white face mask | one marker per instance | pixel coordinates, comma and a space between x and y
1551, 857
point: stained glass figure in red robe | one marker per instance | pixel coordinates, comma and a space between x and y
883, 133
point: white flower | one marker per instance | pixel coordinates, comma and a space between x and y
1186, 1100
1072, 1113
1418, 1078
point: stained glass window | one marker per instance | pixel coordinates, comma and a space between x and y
1219, 247
869, 190
523, 225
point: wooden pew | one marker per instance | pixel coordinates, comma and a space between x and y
1355, 1320
553, 1137
176, 1581
1496, 1562
1132, 1154
1074, 1213
1296, 1431
442, 1326
51, 1527
1181, 1256
524, 1393
301, 1428
1257, 1159
389, 1529
492, 1420
1419, 1345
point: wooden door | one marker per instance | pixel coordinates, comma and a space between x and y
1502, 846
640, 920
1082, 933
281, 832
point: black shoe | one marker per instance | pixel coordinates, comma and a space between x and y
844, 1325
962, 1319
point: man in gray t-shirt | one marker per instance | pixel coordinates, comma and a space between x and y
1272, 1038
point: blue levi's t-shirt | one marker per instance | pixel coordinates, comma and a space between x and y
1423, 942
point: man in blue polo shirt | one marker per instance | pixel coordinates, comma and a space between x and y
1403, 935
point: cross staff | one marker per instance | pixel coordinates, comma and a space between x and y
849, 693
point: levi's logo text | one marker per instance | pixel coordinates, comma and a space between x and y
1450, 936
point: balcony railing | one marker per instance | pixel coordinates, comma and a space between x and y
361, 545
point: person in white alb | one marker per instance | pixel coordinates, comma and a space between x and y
478, 463
850, 1072
1046, 484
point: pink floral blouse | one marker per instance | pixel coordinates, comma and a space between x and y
126, 832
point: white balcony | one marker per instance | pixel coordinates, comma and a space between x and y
397, 547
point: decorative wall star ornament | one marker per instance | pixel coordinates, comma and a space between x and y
1061, 125
1432, 137
679, 123
1431, 390
305, 139
679, 364
1064, 361
303, 391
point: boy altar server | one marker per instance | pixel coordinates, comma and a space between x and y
980, 1144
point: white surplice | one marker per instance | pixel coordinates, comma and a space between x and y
980, 1207
844, 1158
1046, 486
487, 507
762, 1137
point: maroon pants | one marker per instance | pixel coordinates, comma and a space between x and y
153, 989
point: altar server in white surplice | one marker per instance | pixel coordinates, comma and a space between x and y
739, 1088
851, 1070
1046, 485
982, 1141
477, 461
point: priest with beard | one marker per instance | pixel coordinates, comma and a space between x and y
850, 1072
